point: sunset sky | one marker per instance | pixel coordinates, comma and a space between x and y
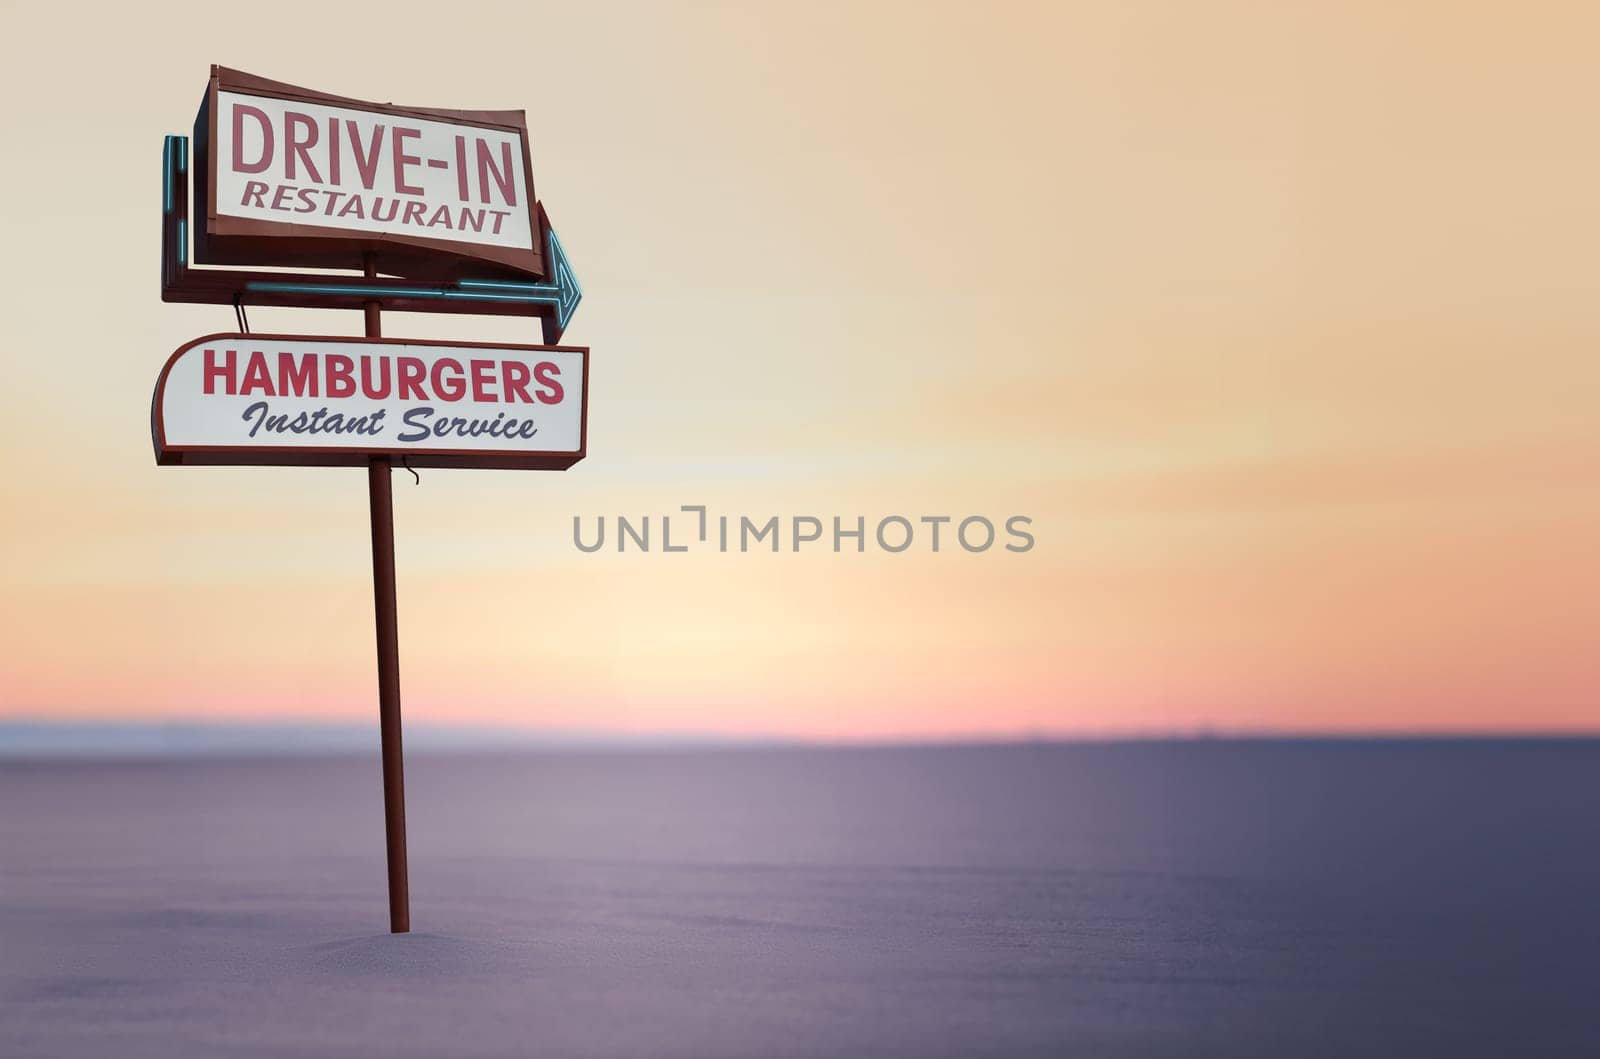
1281, 322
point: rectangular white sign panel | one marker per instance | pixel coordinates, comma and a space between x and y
294, 162
264, 399
292, 177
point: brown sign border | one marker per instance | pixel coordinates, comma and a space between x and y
226, 240
285, 456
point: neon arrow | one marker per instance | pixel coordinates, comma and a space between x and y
564, 294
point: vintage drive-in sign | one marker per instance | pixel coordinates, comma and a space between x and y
288, 176
280, 399
433, 211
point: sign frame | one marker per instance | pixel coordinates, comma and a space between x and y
553, 302
228, 240
331, 456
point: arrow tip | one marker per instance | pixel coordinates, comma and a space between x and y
569, 290
558, 273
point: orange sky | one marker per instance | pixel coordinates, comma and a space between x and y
1280, 321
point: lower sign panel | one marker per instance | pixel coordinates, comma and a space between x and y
298, 400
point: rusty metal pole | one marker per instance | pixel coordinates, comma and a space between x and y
381, 502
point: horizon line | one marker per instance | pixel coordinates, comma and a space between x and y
181, 737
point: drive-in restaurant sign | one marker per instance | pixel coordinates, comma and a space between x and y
436, 209
294, 177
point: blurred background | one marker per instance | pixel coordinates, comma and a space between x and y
1279, 321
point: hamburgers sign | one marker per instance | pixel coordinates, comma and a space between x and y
283, 399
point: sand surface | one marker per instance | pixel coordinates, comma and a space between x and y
1203, 899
